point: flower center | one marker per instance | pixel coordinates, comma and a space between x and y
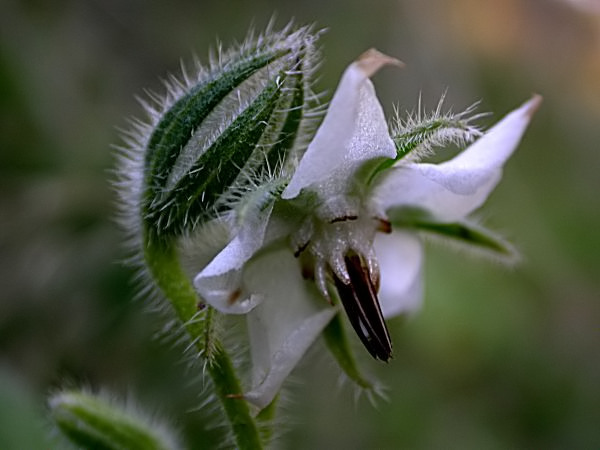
341, 254
360, 301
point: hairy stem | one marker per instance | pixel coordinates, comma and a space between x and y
162, 260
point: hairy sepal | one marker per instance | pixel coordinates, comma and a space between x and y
419, 133
465, 233
339, 346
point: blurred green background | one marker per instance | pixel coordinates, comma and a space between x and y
497, 358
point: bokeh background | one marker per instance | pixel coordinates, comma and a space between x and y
497, 358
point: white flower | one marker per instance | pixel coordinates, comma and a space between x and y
344, 228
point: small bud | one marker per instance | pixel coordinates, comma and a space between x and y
90, 421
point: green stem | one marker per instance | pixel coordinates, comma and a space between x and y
163, 261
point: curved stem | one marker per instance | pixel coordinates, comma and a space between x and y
162, 259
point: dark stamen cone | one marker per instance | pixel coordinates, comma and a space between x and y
359, 298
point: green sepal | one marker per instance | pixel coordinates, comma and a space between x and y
425, 134
196, 193
92, 422
339, 346
419, 135
468, 233
257, 198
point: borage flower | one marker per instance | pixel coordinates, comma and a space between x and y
343, 228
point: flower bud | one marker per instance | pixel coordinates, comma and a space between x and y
244, 114
90, 421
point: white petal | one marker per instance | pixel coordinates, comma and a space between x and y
220, 282
284, 325
452, 190
494, 148
353, 131
400, 256
447, 198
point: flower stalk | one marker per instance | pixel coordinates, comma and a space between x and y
164, 264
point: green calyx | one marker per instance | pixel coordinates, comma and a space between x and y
418, 135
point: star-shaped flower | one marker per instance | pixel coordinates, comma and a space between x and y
343, 228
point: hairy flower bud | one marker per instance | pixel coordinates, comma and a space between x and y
97, 421
245, 113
